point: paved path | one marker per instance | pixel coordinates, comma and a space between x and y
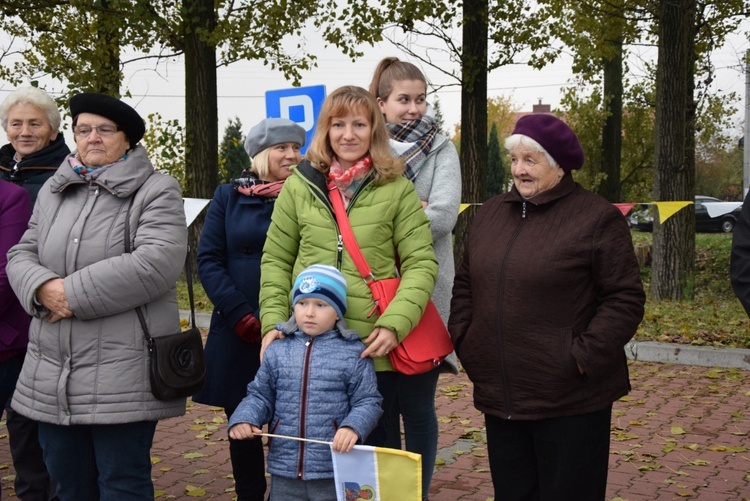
682, 433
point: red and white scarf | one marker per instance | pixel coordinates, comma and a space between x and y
250, 186
349, 180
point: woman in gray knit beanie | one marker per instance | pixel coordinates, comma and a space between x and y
229, 268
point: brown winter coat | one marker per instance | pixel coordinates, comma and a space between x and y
546, 285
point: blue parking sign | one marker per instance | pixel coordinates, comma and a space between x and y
298, 104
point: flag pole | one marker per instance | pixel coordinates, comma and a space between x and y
271, 435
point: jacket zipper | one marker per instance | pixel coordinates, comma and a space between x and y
324, 197
63, 355
303, 406
506, 377
339, 250
340, 244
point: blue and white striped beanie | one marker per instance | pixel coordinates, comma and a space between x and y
323, 282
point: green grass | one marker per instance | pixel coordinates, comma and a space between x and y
714, 317
202, 303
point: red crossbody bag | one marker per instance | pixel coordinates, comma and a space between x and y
428, 343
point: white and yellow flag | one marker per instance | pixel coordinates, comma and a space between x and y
377, 474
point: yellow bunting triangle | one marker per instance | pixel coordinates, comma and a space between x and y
668, 209
463, 207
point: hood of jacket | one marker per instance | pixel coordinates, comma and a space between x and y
291, 328
122, 181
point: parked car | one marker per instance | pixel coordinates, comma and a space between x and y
641, 218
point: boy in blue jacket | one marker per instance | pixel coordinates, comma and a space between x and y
312, 384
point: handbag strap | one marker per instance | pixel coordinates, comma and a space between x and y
188, 279
347, 234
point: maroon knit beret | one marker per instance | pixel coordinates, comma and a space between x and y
555, 136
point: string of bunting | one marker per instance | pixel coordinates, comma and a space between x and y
665, 210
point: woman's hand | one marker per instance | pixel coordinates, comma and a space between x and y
269, 338
379, 343
344, 439
51, 294
248, 329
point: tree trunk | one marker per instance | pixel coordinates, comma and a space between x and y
611, 187
201, 108
674, 241
109, 76
473, 153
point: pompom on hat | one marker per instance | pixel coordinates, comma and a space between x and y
273, 131
555, 136
127, 119
322, 282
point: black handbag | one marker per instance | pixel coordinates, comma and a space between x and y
177, 365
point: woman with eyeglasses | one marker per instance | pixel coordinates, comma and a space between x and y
85, 377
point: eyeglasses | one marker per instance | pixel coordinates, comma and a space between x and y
102, 130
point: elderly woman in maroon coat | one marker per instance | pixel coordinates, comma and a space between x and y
547, 296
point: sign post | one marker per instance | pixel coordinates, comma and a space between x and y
298, 104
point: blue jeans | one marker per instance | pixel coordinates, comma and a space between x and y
100, 462
286, 489
411, 398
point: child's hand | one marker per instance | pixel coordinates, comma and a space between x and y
242, 431
344, 439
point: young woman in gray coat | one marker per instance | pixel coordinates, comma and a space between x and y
432, 165
85, 377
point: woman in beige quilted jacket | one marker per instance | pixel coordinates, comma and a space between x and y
85, 377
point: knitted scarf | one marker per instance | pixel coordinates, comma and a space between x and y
412, 141
90, 173
250, 186
349, 180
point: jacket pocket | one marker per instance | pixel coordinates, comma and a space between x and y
480, 351
567, 359
544, 364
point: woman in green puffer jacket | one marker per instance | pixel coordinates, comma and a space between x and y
350, 148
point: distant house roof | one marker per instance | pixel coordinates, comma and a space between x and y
537, 108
